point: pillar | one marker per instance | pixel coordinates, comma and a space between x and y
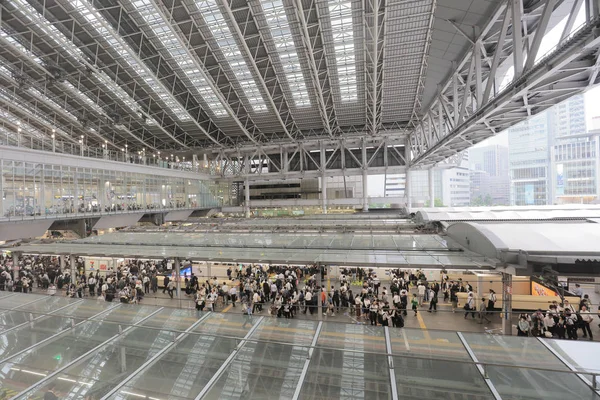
177, 280
324, 193
61, 260
1, 192
407, 190
247, 198
15, 259
365, 199
506, 303
431, 188
73, 268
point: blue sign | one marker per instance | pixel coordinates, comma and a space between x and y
529, 195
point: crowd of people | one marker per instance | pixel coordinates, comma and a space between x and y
561, 320
285, 291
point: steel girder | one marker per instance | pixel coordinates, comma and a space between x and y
240, 115
470, 107
71, 61
162, 88
374, 23
328, 157
314, 48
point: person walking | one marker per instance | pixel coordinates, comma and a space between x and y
470, 305
483, 311
433, 302
587, 318
414, 303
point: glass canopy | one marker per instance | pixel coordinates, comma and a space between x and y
90, 349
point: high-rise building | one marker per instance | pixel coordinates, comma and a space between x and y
552, 159
490, 183
451, 185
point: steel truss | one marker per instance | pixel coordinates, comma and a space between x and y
332, 157
471, 105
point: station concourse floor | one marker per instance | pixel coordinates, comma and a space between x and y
443, 319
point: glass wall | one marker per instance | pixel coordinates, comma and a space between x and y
35, 189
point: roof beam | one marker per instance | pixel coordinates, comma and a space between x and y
325, 111
168, 17
257, 73
374, 24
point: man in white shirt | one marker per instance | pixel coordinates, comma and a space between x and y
587, 319
233, 295
421, 293
308, 301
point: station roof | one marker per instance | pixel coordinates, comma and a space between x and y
199, 74
121, 351
552, 239
385, 250
564, 211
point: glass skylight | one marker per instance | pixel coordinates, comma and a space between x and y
91, 103
282, 36
340, 13
220, 31
15, 43
10, 117
171, 42
39, 95
107, 32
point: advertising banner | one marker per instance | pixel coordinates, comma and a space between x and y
539, 290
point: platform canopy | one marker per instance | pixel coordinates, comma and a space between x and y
554, 242
364, 250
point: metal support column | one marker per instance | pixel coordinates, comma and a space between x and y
407, 189
431, 188
73, 268
247, 198
15, 258
365, 166
324, 193
177, 280
388, 349
307, 362
506, 303
365, 200
62, 263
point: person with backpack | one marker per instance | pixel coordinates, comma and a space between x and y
470, 305
433, 301
414, 303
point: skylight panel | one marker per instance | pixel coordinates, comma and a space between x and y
7, 36
340, 14
222, 34
104, 30
61, 40
36, 93
284, 43
91, 103
179, 54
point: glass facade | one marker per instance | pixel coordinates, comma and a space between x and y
38, 189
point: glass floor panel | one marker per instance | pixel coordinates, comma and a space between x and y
299, 332
173, 319
18, 299
230, 325
29, 335
98, 373
339, 374
352, 337
182, 372
10, 319
428, 343
261, 371
30, 367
